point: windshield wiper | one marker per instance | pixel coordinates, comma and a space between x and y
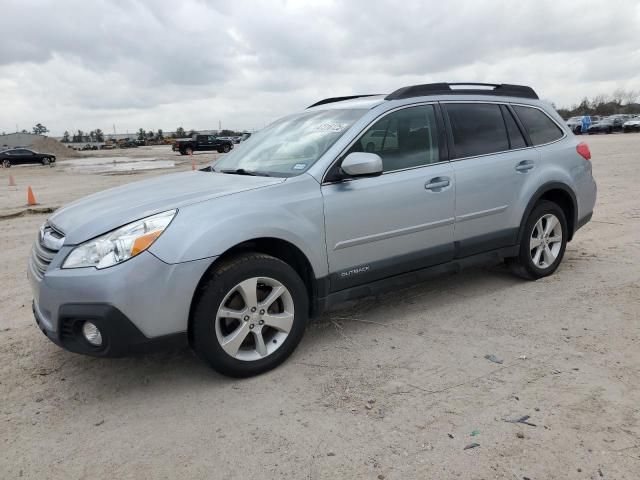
242, 171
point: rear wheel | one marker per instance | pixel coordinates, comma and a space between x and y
250, 315
543, 242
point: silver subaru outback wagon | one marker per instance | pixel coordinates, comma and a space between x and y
350, 197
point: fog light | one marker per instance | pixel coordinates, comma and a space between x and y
92, 334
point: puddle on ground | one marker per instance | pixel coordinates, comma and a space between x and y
114, 164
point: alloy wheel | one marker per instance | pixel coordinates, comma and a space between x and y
254, 318
546, 241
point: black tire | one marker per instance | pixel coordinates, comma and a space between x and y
6, 163
523, 264
226, 148
213, 290
183, 152
46, 161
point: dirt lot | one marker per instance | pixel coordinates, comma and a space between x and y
390, 387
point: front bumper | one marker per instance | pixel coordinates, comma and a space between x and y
120, 336
139, 304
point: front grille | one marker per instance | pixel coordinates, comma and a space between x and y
44, 249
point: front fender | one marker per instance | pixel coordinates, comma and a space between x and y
290, 211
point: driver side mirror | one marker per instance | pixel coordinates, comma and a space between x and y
362, 164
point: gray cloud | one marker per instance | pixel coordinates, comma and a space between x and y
160, 64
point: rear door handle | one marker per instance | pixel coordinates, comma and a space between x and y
437, 183
524, 166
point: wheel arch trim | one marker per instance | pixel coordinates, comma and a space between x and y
541, 192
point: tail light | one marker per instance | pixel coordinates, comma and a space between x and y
583, 150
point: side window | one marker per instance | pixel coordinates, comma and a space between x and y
477, 128
403, 139
540, 127
516, 140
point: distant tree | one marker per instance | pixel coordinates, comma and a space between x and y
65, 137
40, 129
99, 135
141, 134
150, 134
227, 133
24, 131
92, 135
180, 133
160, 134
618, 96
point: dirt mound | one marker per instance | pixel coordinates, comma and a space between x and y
51, 145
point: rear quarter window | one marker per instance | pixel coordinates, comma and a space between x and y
540, 127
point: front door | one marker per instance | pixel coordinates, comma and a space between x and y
400, 221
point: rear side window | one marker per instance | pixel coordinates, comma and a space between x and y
404, 139
477, 128
515, 135
540, 127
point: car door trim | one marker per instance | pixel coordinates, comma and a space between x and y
481, 213
392, 233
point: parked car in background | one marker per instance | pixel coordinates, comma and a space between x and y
605, 125
199, 142
236, 259
575, 124
245, 136
632, 125
88, 146
19, 156
618, 120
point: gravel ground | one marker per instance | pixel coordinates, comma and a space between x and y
389, 387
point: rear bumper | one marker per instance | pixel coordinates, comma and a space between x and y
120, 336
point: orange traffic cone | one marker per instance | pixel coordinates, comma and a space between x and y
31, 198
12, 182
193, 164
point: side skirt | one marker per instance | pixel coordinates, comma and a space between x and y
409, 278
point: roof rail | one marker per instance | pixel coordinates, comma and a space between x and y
502, 90
339, 99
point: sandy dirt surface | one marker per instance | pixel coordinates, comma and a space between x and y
392, 387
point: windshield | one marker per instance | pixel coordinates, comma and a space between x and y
289, 146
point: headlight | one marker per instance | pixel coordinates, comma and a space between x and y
121, 244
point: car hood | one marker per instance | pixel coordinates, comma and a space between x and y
104, 211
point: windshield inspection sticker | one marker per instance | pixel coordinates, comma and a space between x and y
330, 127
299, 166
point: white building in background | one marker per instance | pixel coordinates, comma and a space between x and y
12, 140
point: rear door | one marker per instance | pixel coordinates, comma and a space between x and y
402, 220
491, 160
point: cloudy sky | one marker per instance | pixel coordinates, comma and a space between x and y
75, 64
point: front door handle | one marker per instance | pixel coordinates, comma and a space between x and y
524, 166
437, 183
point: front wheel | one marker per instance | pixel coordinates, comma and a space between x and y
46, 161
6, 163
226, 148
543, 242
249, 316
